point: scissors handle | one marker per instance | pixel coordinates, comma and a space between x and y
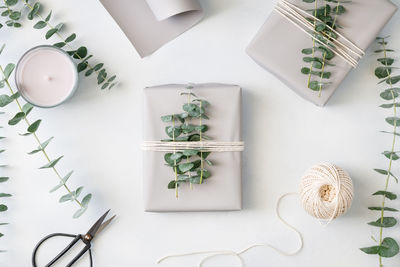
76, 238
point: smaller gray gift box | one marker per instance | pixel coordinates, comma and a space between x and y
277, 45
222, 191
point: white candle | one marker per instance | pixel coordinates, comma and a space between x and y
46, 76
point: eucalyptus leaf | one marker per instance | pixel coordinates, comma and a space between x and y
393, 121
80, 53
78, 192
34, 126
172, 185
307, 51
386, 61
389, 94
70, 38
8, 70
167, 118
11, 2
190, 152
40, 24
67, 197
5, 195
86, 200
385, 222
3, 208
391, 155
176, 156
383, 72
4, 179
50, 33
34, 11
15, 15
389, 248
62, 182
382, 208
82, 66
101, 77
17, 118
184, 167
48, 17
389, 195
5, 100
52, 163
60, 44
205, 174
79, 213
41, 147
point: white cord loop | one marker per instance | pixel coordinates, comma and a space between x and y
216, 253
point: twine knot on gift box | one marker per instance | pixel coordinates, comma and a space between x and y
346, 50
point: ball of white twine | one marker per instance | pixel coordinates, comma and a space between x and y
326, 191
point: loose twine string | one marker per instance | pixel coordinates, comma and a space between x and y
326, 192
238, 254
298, 17
204, 146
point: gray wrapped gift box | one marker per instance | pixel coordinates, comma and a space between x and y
222, 191
278, 44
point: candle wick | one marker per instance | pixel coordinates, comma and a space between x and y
49, 78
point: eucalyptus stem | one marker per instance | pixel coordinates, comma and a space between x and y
313, 47
329, 36
187, 123
392, 148
36, 137
201, 152
188, 163
386, 246
175, 163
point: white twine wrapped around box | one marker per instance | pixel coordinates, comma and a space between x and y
204, 146
299, 18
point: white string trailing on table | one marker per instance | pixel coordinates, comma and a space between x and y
299, 18
238, 254
204, 146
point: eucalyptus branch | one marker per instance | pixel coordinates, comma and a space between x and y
32, 128
327, 16
192, 170
3, 207
386, 246
12, 15
80, 54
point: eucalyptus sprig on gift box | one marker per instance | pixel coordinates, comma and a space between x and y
319, 56
3, 207
33, 12
386, 247
188, 165
72, 195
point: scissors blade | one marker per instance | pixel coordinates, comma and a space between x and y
93, 230
105, 224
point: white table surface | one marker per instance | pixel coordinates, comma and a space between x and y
99, 132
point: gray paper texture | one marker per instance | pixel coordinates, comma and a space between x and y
278, 44
222, 191
149, 24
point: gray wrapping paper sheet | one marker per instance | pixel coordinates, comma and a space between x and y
149, 24
222, 191
277, 45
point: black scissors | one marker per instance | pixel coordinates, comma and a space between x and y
86, 239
